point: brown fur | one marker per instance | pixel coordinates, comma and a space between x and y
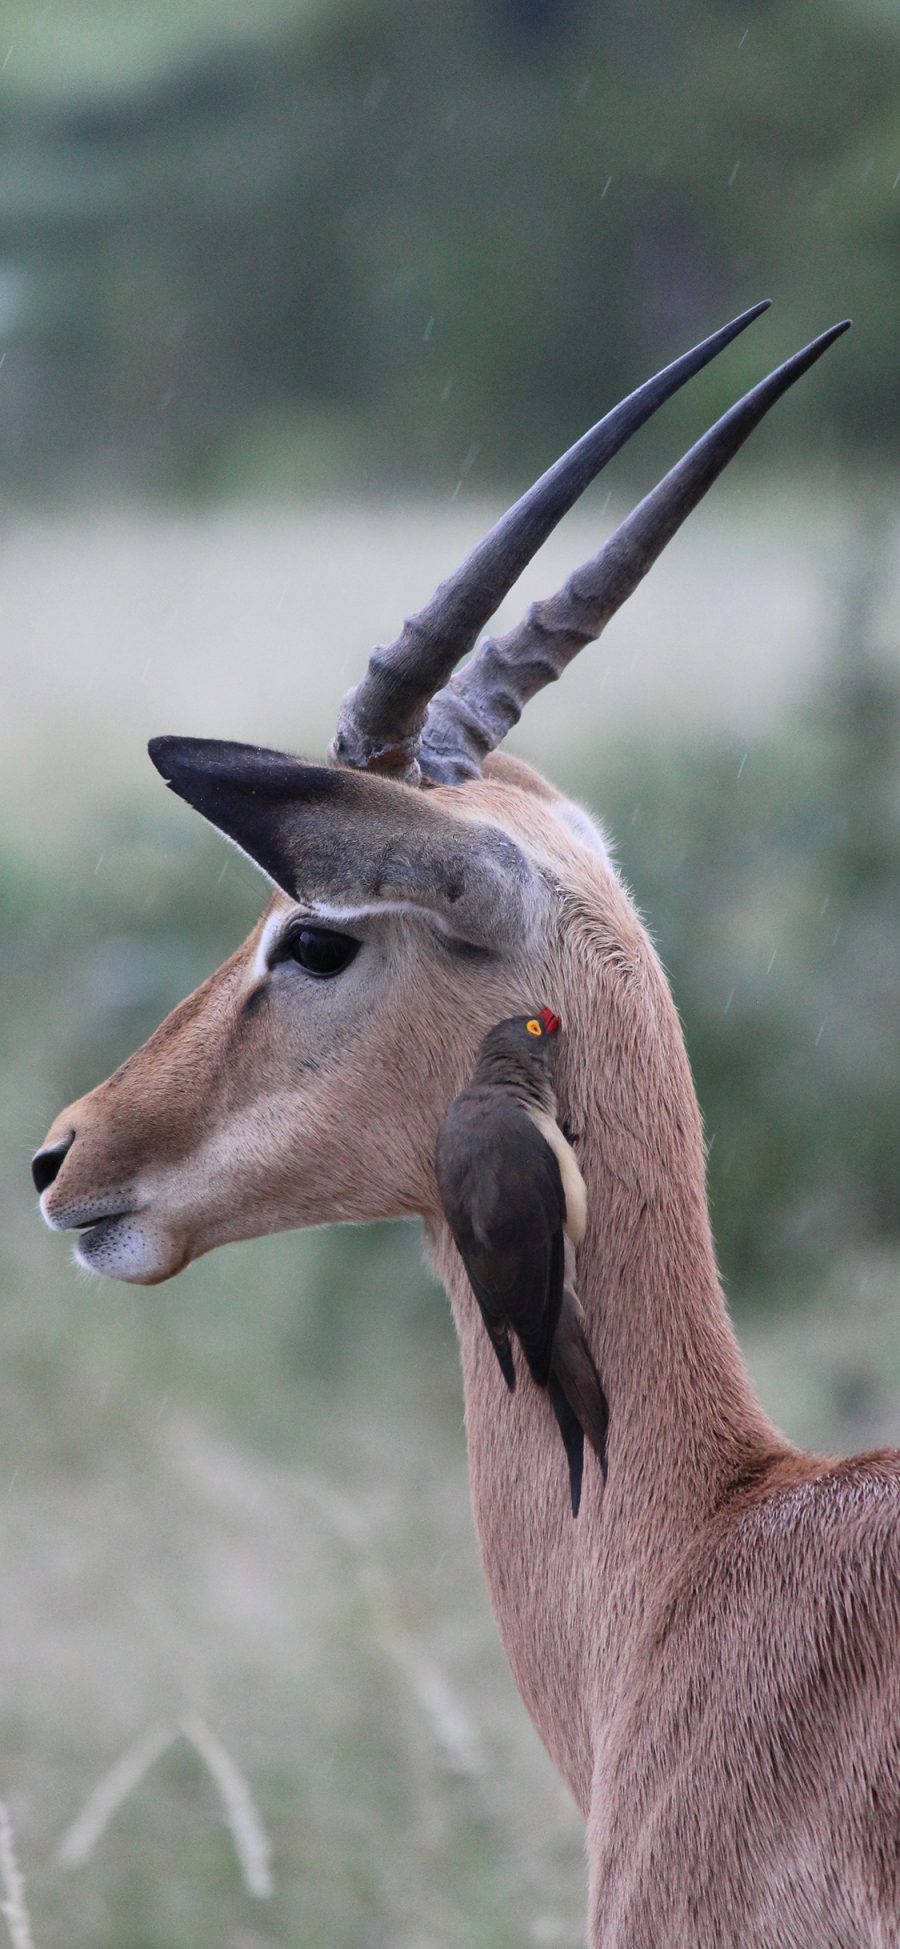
712, 1652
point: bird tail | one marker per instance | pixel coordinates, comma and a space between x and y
577, 1394
573, 1440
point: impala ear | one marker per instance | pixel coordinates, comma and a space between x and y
347, 843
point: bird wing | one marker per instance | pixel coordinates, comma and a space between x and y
503, 1197
495, 1325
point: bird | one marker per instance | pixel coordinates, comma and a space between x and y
516, 1204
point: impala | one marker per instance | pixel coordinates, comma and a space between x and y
711, 1652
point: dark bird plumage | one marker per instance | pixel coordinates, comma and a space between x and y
513, 1197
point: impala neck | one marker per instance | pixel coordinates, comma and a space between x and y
572, 1597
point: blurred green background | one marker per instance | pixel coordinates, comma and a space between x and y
291, 296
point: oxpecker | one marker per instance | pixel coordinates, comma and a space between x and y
515, 1201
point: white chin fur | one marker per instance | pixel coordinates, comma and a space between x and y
120, 1248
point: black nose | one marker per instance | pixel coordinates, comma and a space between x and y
46, 1164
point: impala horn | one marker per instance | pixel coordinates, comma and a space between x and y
409, 718
381, 721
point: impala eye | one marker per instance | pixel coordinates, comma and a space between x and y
318, 951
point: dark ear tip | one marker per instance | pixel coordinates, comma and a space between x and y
180, 759
158, 752
168, 754
214, 774
198, 769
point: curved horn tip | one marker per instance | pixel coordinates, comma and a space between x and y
471, 715
765, 304
382, 719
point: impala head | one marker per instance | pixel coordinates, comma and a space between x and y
421, 891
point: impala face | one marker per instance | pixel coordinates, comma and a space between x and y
305, 1080
287, 1091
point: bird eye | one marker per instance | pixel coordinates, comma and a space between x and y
318, 951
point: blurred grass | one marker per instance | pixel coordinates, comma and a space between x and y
122, 622
245, 1493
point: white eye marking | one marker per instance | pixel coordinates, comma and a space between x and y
274, 925
331, 915
372, 910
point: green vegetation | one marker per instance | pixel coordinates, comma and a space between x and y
352, 242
